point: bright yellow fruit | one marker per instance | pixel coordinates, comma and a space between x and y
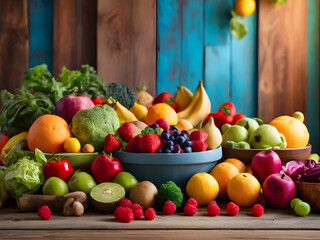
244, 8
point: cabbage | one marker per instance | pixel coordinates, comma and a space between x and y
308, 171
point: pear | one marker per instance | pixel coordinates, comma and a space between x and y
248, 123
214, 135
234, 133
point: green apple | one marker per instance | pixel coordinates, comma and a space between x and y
267, 137
81, 181
315, 157
126, 180
55, 186
241, 145
248, 123
302, 208
234, 133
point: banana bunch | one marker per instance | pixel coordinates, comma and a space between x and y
183, 97
199, 107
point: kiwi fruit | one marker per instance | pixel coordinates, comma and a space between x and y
107, 196
144, 193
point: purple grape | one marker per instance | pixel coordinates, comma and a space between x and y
175, 151
154, 125
172, 138
165, 136
173, 128
169, 144
176, 133
186, 132
160, 150
163, 142
180, 140
188, 143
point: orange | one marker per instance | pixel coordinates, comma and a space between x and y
236, 162
161, 110
184, 125
295, 132
48, 133
202, 187
243, 189
244, 8
223, 173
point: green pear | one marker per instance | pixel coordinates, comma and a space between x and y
267, 137
234, 133
249, 124
241, 145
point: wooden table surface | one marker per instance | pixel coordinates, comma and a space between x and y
274, 224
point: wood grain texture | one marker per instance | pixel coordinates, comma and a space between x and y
14, 43
127, 42
282, 61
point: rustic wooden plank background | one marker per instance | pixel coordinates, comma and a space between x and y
14, 43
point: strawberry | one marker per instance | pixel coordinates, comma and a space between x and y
149, 143
163, 123
198, 136
97, 100
199, 146
111, 143
162, 97
133, 145
125, 131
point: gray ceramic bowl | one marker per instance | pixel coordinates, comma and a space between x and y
159, 168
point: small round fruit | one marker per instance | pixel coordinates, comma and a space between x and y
55, 186
294, 202
81, 181
88, 148
236, 162
298, 115
72, 145
144, 193
107, 196
302, 208
126, 180
244, 8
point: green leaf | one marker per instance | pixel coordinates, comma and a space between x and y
281, 2
238, 28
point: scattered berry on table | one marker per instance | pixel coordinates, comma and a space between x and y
111, 143
137, 210
232, 209
123, 214
199, 146
190, 209
198, 135
213, 209
213, 202
150, 213
125, 131
192, 201
163, 123
149, 143
126, 203
169, 207
44, 212
133, 145
257, 210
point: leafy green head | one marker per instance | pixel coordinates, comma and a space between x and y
170, 191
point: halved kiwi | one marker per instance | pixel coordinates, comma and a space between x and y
107, 196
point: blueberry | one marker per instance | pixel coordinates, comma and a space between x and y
180, 140
173, 127
166, 131
167, 151
169, 144
171, 148
154, 125
165, 136
186, 132
188, 143
175, 151
187, 149
172, 138
176, 133
160, 149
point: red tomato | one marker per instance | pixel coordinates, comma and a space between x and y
61, 169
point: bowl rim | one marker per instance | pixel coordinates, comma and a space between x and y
170, 158
276, 149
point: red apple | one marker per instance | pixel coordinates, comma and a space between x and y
265, 163
104, 169
278, 190
69, 105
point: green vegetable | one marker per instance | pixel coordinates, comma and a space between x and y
122, 93
18, 151
238, 27
94, 124
170, 191
146, 130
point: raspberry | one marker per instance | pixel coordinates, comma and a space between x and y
169, 207
126, 203
150, 213
198, 135
163, 123
232, 209
123, 214
190, 210
213, 209
137, 210
199, 146
257, 210
44, 212
213, 202
192, 201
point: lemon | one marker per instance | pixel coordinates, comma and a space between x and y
139, 111
72, 145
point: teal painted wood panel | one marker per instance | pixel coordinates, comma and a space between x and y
313, 74
40, 32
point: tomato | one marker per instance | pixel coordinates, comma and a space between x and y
61, 169
238, 117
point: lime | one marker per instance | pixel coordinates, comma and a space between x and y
126, 180
81, 181
294, 202
302, 208
55, 186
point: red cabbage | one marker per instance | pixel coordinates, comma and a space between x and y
308, 171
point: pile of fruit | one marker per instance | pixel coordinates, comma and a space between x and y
101, 119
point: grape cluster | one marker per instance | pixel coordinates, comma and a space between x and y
175, 141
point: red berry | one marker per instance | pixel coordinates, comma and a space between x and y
125, 131
133, 145
44, 212
126, 203
198, 135
137, 211
232, 209
149, 143
149, 213
192, 201
213, 202
111, 143
257, 210
190, 210
123, 214
162, 97
199, 146
213, 209
169, 207
163, 123
97, 100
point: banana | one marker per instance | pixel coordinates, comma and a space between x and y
123, 113
202, 107
214, 139
187, 111
183, 98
